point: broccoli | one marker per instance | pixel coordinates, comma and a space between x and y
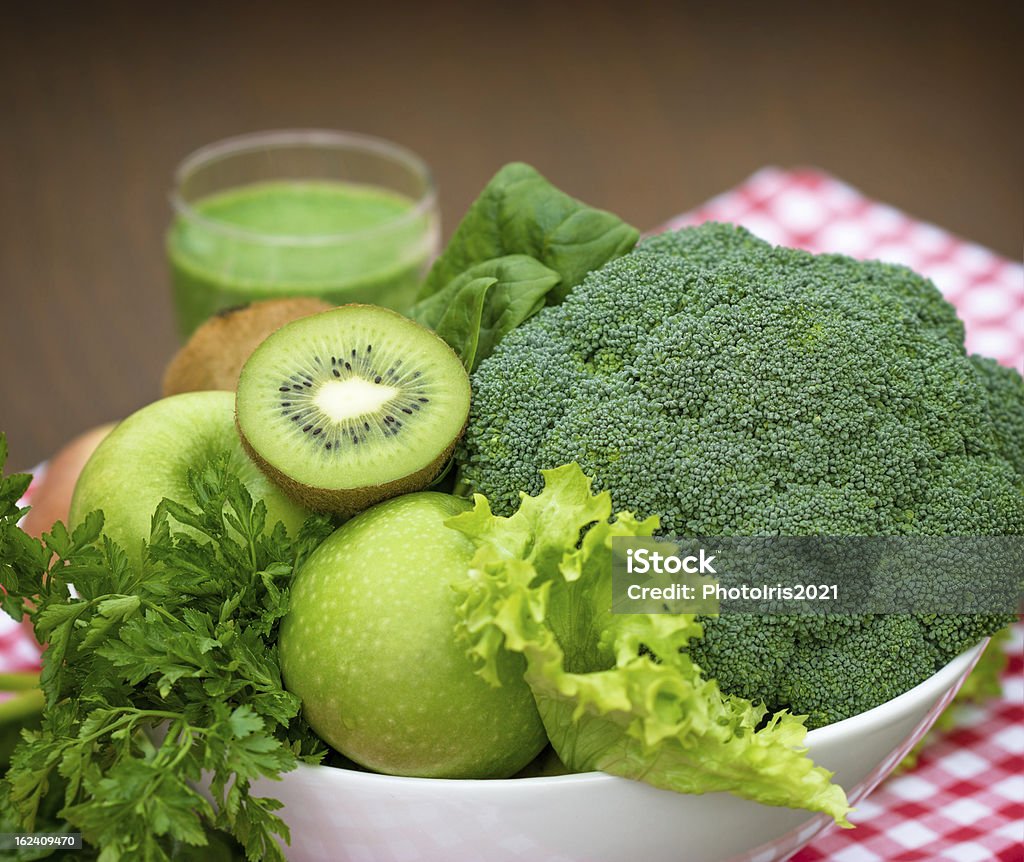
982, 684
1006, 395
734, 388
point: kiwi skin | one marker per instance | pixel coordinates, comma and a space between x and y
213, 357
350, 501
346, 502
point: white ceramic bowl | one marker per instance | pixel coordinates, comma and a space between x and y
339, 815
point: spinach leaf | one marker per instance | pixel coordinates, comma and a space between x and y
477, 308
520, 212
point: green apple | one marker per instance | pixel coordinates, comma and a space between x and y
147, 457
369, 646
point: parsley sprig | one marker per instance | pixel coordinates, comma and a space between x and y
160, 677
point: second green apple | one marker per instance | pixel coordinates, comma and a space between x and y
369, 645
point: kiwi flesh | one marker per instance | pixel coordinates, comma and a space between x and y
352, 406
213, 357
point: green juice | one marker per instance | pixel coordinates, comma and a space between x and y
342, 242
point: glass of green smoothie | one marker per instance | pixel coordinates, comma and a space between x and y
335, 215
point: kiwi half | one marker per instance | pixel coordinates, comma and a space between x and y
213, 357
352, 406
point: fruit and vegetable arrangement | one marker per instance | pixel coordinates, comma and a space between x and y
378, 540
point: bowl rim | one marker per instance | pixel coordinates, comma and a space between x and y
942, 680
868, 722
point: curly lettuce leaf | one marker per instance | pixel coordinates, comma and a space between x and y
618, 693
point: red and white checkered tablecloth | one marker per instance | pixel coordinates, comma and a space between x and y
964, 801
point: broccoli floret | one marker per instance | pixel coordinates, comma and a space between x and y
735, 388
709, 246
830, 668
712, 244
872, 662
982, 684
1006, 402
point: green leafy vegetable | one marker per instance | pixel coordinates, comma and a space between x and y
487, 301
157, 675
520, 212
484, 284
619, 693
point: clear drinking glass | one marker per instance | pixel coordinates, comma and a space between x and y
336, 215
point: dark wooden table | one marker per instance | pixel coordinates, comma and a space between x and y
646, 109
